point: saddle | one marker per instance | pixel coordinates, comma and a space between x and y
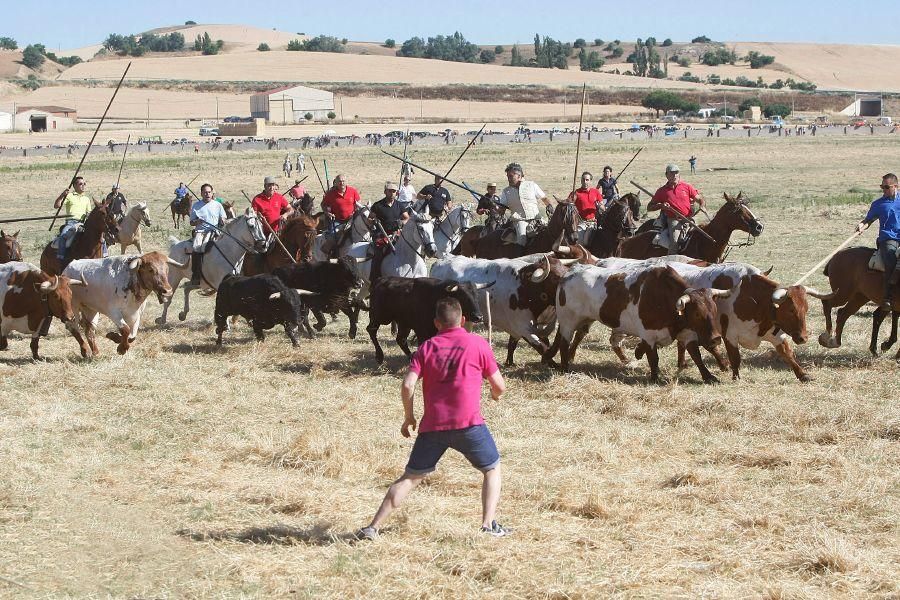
876, 264
663, 238
70, 236
508, 231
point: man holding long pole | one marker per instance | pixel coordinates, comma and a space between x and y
77, 204
674, 200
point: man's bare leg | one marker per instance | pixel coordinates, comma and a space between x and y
395, 496
490, 496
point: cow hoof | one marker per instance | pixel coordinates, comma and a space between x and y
319, 326
114, 337
804, 378
827, 340
711, 379
160, 321
122, 349
182, 316
885, 346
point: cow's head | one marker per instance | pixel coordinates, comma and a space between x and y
10, 249
538, 282
56, 290
151, 272
696, 308
466, 294
790, 307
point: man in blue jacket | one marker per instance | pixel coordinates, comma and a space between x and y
887, 210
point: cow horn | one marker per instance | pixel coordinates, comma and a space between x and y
766, 273
452, 288
175, 263
333, 261
305, 292
484, 286
817, 294
134, 263
720, 293
563, 249
46, 286
567, 261
681, 303
362, 260
275, 296
541, 273
779, 296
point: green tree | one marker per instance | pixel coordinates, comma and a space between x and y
263, 47
7, 43
487, 56
758, 61
295, 45
598, 42
33, 56
190, 22
776, 110
589, 61
718, 56
683, 61
661, 100
701, 39
667, 42
617, 52
579, 43
390, 43
414, 47
516, 59
498, 49
32, 83
308, 116
322, 43
331, 115
650, 42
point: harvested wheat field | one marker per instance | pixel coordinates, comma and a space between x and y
186, 470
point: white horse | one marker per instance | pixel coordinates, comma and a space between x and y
130, 227
222, 257
359, 232
415, 242
449, 230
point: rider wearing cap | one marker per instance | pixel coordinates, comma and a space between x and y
386, 218
523, 198
272, 206
339, 203
116, 203
674, 200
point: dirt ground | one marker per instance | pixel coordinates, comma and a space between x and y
187, 470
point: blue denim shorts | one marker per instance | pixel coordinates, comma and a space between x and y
475, 443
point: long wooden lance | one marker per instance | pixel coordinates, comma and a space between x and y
319, 177
269, 227
405, 148
424, 170
683, 216
469, 145
578, 143
629, 162
22, 219
91, 143
124, 154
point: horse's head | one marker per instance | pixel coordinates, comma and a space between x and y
465, 218
139, 212
300, 232
99, 219
565, 220
737, 215
424, 228
615, 217
251, 232
10, 249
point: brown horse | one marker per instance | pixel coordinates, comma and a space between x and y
611, 227
733, 216
298, 235
181, 208
563, 228
87, 244
854, 284
10, 249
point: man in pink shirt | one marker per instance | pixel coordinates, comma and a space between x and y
451, 365
673, 200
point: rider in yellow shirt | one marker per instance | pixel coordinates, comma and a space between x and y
77, 204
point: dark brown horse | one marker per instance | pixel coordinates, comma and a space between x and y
733, 216
563, 228
611, 227
298, 235
854, 284
181, 208
87, 244
10, 249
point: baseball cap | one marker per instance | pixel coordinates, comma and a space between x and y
672, 168
269, 180
390, 185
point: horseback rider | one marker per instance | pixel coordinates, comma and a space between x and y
272, 206
339, 203
386, 218
674, 201
588, 200
77, 204
523, 198
206, 217
181, 191
116, 203
436, 197
887, 210
406, 195
607, 186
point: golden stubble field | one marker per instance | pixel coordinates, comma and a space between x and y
183, 470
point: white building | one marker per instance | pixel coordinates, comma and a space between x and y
6, 121
290, 104
45, 118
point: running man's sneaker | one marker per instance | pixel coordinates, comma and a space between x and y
496, 530
367, 533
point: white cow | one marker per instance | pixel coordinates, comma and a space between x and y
522, 294
118, 287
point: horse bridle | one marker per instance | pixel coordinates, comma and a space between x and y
421, 235
463, 210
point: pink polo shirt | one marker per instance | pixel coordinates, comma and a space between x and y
452, 366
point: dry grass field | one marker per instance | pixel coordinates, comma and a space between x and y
183, 470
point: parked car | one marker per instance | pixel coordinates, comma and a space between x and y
209, 131
232, 119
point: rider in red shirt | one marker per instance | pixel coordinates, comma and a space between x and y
271, 205
587, 199
674, 199
340, 201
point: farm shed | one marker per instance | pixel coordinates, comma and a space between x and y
290, 104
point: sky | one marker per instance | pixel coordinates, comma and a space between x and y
83, 22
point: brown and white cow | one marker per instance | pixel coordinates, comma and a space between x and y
28, 296
653, 303
759, 309
118, 287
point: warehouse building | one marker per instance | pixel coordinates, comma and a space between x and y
45, 118
291, 104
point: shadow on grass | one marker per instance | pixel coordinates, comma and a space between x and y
317, 535
362, 362
208, 348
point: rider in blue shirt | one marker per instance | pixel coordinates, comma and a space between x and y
887, 210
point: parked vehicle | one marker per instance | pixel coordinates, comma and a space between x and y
209, 131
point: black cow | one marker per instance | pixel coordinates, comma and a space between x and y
265, 301
410, 303
335, 283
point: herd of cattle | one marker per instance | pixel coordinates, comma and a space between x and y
658, 301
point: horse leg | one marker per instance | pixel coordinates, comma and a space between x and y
187, 305
844, 313
877, 319
893, 339
694, 350
319, 325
